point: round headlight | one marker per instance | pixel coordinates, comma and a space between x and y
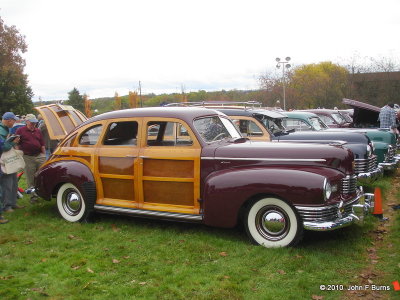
327, 190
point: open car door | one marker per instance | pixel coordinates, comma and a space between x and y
60, 119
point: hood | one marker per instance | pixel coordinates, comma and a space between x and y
326, 135
296, 154
60, 119
365, 115
355, 141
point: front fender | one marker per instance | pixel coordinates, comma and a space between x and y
381, 148
52, 174
226, 191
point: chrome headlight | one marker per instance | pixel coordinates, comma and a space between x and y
327, 190
373, 147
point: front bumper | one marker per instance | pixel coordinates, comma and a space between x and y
369, 177
337, 216
393, 165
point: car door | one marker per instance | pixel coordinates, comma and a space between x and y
117, 164
169, 167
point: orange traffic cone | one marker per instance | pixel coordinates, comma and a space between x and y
378, 212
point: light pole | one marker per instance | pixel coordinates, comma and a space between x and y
285, 65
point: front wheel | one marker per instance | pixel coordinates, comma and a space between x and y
272, 222
71, 204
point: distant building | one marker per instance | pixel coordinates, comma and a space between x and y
375, 88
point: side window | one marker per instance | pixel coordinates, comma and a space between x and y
90, 136
162, 133
122, 134
298, 125
248, 128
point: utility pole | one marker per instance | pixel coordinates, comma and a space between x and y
140, 94
285, 64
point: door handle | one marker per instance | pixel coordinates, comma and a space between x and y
131, 156
141, 156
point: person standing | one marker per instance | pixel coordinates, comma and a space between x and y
18, 124
387, 116
2, 219
9, 182
32, 144
50, 144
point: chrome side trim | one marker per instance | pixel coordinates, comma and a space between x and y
148, 213
265, 159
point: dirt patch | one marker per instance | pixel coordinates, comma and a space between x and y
370, 275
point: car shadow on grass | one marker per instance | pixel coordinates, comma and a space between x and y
311, 239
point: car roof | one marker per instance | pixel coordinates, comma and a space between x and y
323, 111
63, 119
251, 112
300, 114
186, 114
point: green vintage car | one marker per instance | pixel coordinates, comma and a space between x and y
384, 141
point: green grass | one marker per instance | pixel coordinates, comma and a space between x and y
44, 257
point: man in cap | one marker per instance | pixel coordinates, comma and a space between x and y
9, 184
32, 144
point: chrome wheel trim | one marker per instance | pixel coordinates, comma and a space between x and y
71, 202
272, 223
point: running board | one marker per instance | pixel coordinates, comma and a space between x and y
148, 213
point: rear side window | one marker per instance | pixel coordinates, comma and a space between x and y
122, 134
90, 136
162, 133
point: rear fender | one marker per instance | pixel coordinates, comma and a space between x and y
50, 177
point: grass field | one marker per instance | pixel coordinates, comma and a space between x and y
44, 257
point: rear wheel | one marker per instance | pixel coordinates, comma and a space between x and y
272, 222
71, 204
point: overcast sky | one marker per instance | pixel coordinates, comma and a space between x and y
103, 47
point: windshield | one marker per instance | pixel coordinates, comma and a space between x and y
338, 118
346, 117
317, 123
274, 126
213, 129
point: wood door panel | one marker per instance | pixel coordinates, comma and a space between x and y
117, 188
116, 165
168, 168
164, 192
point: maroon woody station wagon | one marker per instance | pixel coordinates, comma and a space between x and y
192, 164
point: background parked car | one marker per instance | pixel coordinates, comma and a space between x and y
261, 124
384, 142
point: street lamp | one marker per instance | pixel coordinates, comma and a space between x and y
285, 65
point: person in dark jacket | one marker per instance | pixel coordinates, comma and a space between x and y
9, 182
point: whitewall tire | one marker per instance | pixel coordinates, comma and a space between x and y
272, 222
70, 203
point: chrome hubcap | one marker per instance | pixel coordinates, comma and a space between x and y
72, 202
272, 223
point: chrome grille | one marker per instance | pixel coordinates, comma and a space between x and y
324, 213
390, 154
366, 165
349, 184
